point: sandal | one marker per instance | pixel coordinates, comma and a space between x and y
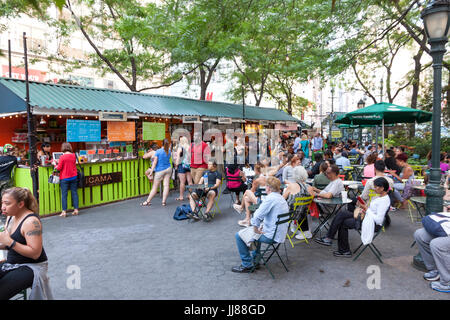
75, 213
145, 203
164, 204
179, 199
64, 215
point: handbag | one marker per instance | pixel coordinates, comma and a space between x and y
359, 214
53, 179
80, 175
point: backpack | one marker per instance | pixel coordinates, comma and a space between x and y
181, 211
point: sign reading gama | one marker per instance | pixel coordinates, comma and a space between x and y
100, 179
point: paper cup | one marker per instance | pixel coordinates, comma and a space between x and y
344, 196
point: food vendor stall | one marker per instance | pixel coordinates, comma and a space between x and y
109, 130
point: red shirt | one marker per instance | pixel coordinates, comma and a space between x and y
198, 153
67, 165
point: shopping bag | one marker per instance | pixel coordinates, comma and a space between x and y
314, 210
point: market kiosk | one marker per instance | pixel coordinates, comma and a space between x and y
110, 158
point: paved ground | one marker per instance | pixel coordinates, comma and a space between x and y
125, 251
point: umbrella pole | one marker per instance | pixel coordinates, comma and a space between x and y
376, 139
383, 135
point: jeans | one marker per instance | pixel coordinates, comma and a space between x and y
244, 251
65, 186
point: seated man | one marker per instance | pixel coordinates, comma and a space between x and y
379, 172
334, 188
345, 220
213, 179
435, 252
342, 159
267, 215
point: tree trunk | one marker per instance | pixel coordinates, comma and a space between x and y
203, 85
416, 84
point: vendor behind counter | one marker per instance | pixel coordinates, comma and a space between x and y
7, 164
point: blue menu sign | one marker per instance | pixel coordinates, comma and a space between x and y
83, 130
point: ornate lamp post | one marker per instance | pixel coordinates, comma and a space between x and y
436, 22
361, 104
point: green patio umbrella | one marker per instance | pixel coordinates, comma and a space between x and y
384, 113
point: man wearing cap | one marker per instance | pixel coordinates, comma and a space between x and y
7, 163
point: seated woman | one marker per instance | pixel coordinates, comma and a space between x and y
345, 220
321, 180
369, 169
406, 173
288, 171
234, 173
299, 189
26, 264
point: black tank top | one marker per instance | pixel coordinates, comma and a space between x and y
13, 256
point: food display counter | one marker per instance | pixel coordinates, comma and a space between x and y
105, 182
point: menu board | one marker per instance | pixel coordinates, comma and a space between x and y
121, 131
153, 131
83, 130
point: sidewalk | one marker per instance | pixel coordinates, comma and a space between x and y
125, 251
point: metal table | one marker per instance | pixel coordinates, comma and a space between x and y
328, 209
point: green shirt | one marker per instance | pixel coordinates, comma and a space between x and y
320, 180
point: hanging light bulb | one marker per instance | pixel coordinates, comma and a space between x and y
42, 122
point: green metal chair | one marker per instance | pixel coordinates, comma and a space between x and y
266, 253
371, 246
299, 205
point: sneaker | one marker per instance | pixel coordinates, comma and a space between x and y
432, 275
300, 236
207, 217
323, 241
241, 269
243, 223
393, 209
339, 254
195, 216
293, 227
238, 208
436, 285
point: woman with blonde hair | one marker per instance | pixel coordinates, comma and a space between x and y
305, 143
26, 263
183, 165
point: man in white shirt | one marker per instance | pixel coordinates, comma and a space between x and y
379, 172
334, 188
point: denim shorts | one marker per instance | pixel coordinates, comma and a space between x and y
182, 169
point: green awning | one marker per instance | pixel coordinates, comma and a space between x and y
68, 97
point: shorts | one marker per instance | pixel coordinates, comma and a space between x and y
183, 169
160, 175
201, 192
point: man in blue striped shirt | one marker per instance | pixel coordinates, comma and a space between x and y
264, 224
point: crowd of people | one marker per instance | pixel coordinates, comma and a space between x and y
303, 168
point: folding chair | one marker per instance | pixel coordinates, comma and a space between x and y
226, 190
301, 204
22, 295
216, 200
371, 246
266, 254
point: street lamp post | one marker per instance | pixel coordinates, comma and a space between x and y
436, 23
361, 104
